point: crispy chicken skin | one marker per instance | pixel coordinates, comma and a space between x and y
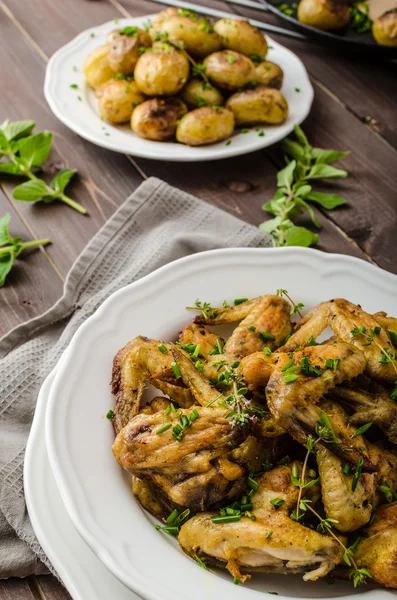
378, 552
246, 544
199, 334
343, 316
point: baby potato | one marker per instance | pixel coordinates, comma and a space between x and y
117, 100
269, 74
262, 105
197, 93
156, 119
165, 14
195, 33
384, 29
125, 48
229, 70
96, 67
205, 125
324, 14
162, 71
242, 37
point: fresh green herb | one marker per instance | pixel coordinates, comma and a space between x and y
228, 142
92, 35
332, 363
297, 90
252, 328
277, 502
230, 58
226, 519
393, 337
200, 562
74, 86
252, 483
312, 341
261, 133
235, 364
244, 130
361, 430
163, 428
11, 248
174, 521
290, 378
360, 20
325, 431
295, 192
269, 534
127, 89
265, 336
122, 77
162, 348
110, 414
308, 369
238, 301
27, 153
346, 469
357, 473
267, 351
176, 370
295, 308
236, 580
130, 31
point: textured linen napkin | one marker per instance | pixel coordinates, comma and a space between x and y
156, 225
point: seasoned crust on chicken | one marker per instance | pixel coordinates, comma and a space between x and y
199, 334
246, 544
378, 551
345, 317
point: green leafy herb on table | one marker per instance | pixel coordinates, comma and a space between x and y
11, 247
26, 152
295, 192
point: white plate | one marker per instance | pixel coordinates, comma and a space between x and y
77, 108
83, 574
95, 491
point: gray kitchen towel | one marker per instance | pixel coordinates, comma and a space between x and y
156, 225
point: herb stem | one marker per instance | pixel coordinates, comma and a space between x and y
32, 244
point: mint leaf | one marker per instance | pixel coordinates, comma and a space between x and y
309, 209
323, 171
270, 225
295, 150
3, 141
300, 236
30, 191
6, 262
34, 150
5, 237
17, 129
60, 182
327, 156
328, 201
10, 168
300, 136
285, 176
302, 189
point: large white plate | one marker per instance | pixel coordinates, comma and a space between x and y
95, 490
84, 575
77, 108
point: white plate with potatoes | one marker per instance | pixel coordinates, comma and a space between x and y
176, 86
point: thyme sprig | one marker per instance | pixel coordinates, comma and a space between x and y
295, 308
295, 192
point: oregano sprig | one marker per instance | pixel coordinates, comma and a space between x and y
26, 152
295, 192
11, 248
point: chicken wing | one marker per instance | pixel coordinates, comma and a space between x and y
272, 543
352, 325
199, 334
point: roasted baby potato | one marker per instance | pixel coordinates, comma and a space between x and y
188, 28
240, 36
269, 74
198, 93
324, 14
384, 29
125, 47
261, 105
205, 125
166, 14
117, 99
161, 71
96, 67
156, 119
229, 70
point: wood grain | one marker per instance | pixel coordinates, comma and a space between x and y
52, 589
15, 589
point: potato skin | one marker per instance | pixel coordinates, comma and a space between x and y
117, 100
156, 119
96, 67
229, 70
324, 14
197, 93
262, 105
195, 32
205, 125
384, 29
242, 37
124, 49
269, 74
162, 71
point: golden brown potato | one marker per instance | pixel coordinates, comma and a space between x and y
162, 71
190, 29
324, 14
242, 37
117, 100
384, 29
157, 118
165, 14
262, 105
125, 48
205, 125
269, 74
198, 93
229, 70
96, 67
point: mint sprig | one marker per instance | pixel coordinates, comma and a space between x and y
27, 152
295, 192
11, 248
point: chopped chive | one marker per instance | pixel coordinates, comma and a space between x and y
176, 370
245, 130
240, 301
265, 336
228, 142
219, 346
288, 365
212, 401
172, 517
236, 580
290, 378
267, 351
184, 421
110, 414
162, 348
346, 469
277, 502
297, 89
235, 364
269, 535
196, 351
361, 430
163, 428
74, 86
226, 519
252, 328
200, 562
252, 483
357, 474
261, 133
194, 415
92, 35
173, 530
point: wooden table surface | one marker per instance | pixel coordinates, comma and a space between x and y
354, 109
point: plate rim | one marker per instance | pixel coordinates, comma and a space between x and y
106, 142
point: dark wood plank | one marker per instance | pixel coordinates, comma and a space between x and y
51, 588
98, 169
32, 286
15, 589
